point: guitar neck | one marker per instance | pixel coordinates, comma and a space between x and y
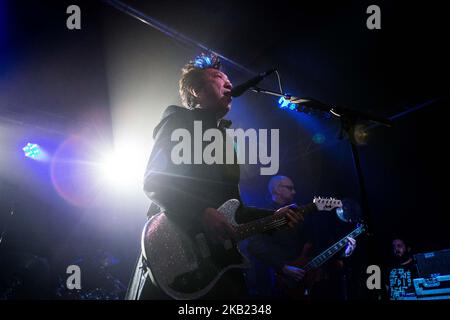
268, 223
331, 251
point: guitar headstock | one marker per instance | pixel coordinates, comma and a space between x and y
362, 227
327, 204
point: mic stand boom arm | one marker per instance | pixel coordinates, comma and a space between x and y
334, 110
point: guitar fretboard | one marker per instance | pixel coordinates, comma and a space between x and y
331, 251
268, 223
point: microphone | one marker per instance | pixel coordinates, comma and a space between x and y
240, 89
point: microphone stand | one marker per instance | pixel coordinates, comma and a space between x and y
348, 118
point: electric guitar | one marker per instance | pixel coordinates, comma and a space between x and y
187, 266
300, 289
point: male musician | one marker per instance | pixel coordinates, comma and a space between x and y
401, 272
190, 193
322, 230
272, 253
268, 252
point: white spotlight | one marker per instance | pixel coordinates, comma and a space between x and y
124, 168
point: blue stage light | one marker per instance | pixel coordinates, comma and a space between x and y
31, 150
318, 138
283, 104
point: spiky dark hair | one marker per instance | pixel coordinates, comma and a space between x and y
192, 76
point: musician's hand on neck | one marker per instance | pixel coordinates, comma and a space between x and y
293, 217
351, 245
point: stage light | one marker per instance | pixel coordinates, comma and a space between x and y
286, 104
360, 135
32, 150
124, 168
318, 138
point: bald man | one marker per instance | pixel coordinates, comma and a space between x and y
271, 253
282, 191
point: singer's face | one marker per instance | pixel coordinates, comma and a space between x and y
215, 92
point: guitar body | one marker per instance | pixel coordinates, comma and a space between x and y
188, 266
314, 273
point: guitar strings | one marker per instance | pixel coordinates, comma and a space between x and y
244, 229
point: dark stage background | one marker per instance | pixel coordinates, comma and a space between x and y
79, 93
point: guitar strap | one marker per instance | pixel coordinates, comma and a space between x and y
136, 284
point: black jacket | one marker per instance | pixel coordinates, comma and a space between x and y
185, 190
